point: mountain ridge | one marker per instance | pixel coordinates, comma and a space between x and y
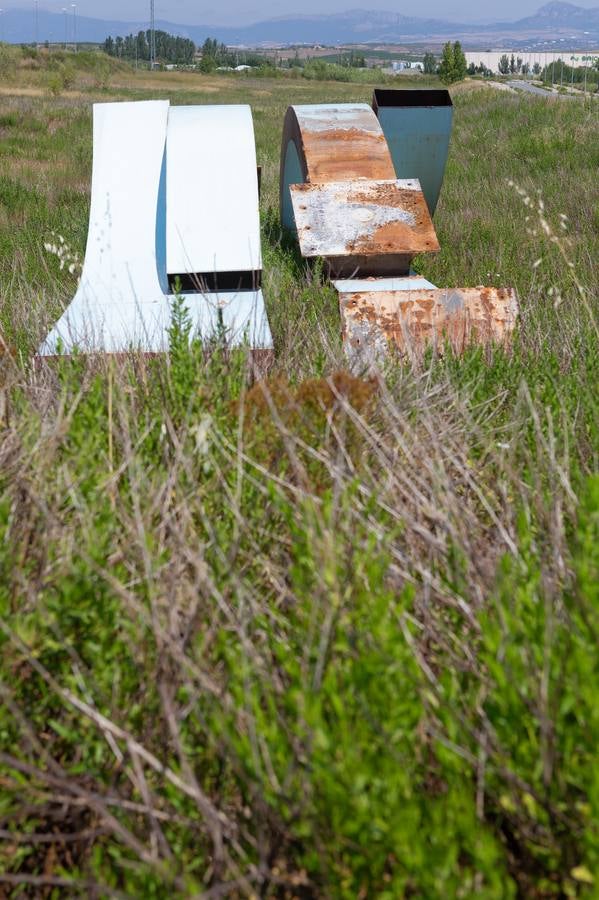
554, 19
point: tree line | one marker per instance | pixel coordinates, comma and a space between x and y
216, 55
169, 48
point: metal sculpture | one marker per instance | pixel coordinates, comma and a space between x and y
350, 192
174, 202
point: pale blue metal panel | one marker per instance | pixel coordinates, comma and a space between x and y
417, 125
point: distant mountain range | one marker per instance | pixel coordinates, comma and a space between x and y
554, 21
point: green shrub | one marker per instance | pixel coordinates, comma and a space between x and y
8, 64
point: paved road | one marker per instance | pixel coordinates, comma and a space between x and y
533, 89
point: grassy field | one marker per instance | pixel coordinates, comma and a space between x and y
332, 635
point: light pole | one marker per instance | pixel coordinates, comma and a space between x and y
37, 30
152, 36
66, 27
1, 27
74, 8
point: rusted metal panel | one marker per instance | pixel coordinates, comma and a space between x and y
343, 142
363, 219
409, 321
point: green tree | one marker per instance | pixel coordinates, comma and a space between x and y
446, 68
459, 62
453, 63
504, 64
215, 55
169, 48
430, 63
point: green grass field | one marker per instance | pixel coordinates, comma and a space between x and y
332, 635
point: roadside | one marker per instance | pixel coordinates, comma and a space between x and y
531, 88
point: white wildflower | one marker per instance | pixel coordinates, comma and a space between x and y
202, 435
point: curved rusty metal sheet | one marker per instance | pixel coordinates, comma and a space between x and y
328, 143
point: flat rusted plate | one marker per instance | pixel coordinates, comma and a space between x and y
343, 142
365, 218
411, 320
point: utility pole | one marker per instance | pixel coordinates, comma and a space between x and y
1, 27
74, 7
37, 29
152, 36
66, 27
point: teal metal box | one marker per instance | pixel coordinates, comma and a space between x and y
417, 126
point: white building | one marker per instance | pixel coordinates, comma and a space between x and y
575, 58
402, 65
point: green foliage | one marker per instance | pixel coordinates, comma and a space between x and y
56, 83
430, 64
559, 72
169, 48
102, 74
539, 647
453, 66
8, 63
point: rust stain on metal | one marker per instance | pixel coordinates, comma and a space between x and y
346, 154
412, 320
373, 219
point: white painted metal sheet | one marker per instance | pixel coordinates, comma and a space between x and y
122, 259
213, 221
117, 326
382, 285
122, 301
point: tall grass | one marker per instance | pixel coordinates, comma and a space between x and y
320, 635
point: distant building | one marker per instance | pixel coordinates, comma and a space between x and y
401, 65
490, 58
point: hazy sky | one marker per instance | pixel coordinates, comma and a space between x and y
237, 11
